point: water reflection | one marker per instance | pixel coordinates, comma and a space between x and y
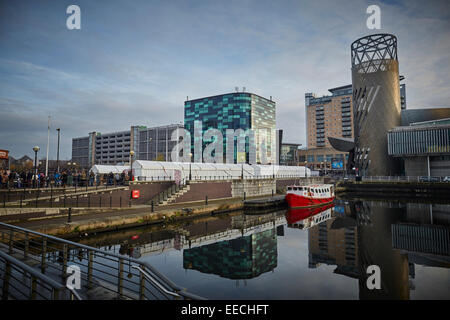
349, 236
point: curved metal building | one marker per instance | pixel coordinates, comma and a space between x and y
376, 102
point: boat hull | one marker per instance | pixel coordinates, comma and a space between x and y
294, 215
298, 201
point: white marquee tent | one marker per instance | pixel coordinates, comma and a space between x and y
160, 170
105, 169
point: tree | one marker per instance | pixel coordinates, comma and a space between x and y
160, 157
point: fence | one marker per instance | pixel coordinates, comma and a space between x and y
99, 269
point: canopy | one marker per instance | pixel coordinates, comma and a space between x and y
157, 170
105, 169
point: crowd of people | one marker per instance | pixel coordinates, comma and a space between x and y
28, 179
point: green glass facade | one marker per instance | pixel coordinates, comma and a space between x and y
242, 258
238, 110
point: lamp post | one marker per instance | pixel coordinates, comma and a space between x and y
35, 149
57, 152
306, 169
131, 164
326, 166
190, 169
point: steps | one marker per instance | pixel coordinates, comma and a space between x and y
169, 195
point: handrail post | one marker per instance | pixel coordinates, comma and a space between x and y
64, 268
11, 235
26, 246
55, 294
33, 288
120, 275
44, 250
6, 279
90, 264
141, 285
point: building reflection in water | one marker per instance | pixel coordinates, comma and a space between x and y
392, 236
351, 235
242, 258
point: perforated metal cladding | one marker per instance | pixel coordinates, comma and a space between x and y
376, 107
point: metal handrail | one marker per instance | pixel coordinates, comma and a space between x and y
163, 279
34, 273
178, 294
74, 293
156, 283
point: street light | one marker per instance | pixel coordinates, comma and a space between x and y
131, 165
57, 152
35, 149
190, 169
306, 169
326, 167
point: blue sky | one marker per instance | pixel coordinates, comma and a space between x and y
134, 62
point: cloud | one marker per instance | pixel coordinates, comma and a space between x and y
135, 63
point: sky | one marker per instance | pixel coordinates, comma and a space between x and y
135, 62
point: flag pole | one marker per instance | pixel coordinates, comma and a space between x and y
48, 142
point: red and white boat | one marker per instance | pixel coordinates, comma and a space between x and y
309, 196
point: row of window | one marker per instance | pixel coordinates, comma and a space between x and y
419, 141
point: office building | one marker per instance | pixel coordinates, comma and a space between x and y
423, 146
154, 144
327, 116
289, 154
239, 110
114, 148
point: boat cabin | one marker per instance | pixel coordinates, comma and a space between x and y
316, 191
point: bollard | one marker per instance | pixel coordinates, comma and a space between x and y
110, 201
69, 216
89, 200
77, 201
272, 192
64, 201
121, 201
21, 198
153, 207
206, 200
244, 195
4, 200
100, 200
37, 197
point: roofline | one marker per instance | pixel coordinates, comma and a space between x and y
224, 94
339, 88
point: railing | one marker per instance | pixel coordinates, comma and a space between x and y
405, 178
51, 197
98, 268
21, 281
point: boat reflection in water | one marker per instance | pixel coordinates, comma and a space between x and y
305, 218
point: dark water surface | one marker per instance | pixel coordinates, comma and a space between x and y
318, 254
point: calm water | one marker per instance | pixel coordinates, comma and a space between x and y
321, 254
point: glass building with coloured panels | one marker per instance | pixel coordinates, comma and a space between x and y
239, 110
